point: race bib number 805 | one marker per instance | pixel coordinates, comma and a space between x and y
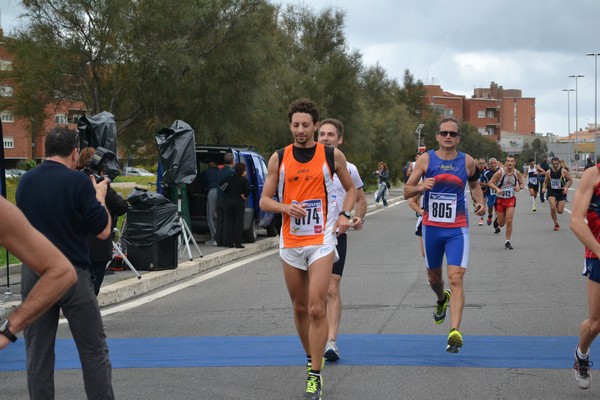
442, 207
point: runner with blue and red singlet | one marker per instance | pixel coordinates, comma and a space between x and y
446, 173
585, 223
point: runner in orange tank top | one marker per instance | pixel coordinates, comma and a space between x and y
302, 176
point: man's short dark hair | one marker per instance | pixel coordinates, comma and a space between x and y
304, 106
61, 141
450, 119
510, 155
335, 122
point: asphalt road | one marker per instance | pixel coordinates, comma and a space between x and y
523, 309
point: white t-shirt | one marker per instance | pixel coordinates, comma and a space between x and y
338, 190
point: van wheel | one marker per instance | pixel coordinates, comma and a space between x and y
251, 233
272, 229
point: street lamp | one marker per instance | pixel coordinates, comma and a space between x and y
576, 124
595, 93
569, 114
418, 131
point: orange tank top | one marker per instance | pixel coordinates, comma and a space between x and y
309, 183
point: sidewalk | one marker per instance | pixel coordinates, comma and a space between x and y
124, 285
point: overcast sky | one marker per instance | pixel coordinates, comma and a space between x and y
532, 45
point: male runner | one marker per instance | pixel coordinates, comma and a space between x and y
559, 180
445, 225
533, 172
483, 167
586, 206
331, 133
302, 174
506, 181
489, 193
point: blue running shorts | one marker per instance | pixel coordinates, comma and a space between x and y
453, 242
591, 269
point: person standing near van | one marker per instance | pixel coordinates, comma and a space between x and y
302, 175
222, 177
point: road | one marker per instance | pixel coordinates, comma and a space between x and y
229, 334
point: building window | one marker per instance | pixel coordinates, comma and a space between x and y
60, 119
6, 116
490, 130
6, 91
5, 65
490, 112
9, 143
74, 116
480, 113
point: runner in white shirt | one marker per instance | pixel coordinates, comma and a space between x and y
331, 133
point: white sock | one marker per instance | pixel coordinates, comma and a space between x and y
581, 355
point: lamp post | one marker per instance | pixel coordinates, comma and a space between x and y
569, 114
576, 125
418, 131
595, 94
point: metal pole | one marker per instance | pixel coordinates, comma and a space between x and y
576, 123
595, 88
569, 115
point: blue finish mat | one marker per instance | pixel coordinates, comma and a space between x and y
371, 350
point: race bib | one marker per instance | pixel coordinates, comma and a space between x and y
442, 207
555, 184
533, 180
507, 193
311, 223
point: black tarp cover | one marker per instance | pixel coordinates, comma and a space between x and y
151, 217
177, 150
99, 130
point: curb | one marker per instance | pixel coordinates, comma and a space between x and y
133, 287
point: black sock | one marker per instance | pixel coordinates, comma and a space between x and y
496, 223
315, 372
441, 302
308, 359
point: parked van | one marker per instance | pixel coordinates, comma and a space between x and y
256, 172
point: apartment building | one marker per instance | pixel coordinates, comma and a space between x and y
24, 136
492, 110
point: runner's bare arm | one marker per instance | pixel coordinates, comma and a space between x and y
581, 203
267, 203
412, 186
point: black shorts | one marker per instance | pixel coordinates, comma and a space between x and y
560, 196
534, 187
342, 246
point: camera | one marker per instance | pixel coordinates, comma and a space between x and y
102, 160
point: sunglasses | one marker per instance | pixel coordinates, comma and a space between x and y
446, 133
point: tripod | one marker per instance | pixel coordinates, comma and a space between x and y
186, 233
117, 249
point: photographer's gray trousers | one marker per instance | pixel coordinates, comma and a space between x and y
80, 307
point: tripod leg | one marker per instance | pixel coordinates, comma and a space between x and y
191, 236
119, 252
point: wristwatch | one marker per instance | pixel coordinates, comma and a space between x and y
346, 214
4, 324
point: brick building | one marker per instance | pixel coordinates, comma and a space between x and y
492, 110
24, 137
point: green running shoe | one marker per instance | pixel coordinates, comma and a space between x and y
440, 310
455, 341
314, 387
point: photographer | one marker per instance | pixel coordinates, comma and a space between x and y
65, 205
101, 250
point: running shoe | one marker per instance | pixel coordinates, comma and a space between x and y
440, 310
480, 221
581, 372
556, 227
331, 351
534, 209
314, 387
496, 227
455, 341
489, 221
508, 246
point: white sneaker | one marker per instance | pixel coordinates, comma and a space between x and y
581, 372
331, 351
480, 221
211, 243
